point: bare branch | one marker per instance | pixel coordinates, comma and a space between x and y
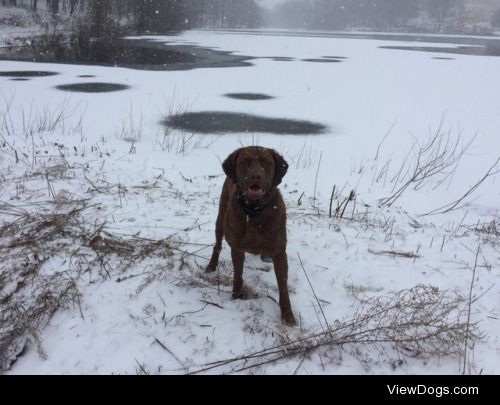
453, 205
436, 159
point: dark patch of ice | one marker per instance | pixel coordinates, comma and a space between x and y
334, 57
92, 87
248, 96
143, 54
317, 60
229, 122
279, 58
490, 50
27, 73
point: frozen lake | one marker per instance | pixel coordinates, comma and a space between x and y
373, 88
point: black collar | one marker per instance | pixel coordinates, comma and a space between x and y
249, 210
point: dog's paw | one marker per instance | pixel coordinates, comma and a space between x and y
211, 267
288, 319
239, 295
246, 293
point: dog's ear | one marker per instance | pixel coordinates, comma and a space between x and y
280, 169
229, 165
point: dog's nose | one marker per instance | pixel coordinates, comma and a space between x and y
255, 176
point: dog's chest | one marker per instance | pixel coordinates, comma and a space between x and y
255, 227
256, 237
252, 233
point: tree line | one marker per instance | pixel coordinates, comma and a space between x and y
153, 15
419, 15
157, 16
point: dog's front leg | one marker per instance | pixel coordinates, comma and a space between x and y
238, 257
281, 269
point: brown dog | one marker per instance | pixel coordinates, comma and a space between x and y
252, 217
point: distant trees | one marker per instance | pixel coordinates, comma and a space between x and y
161, 15
300, 14
446, 13
167, 15
98, 11
157, 15
154, 15
433, 15
53, 6
495, 19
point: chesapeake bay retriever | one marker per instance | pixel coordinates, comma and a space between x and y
252, 217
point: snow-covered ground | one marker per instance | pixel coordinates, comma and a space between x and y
163, 314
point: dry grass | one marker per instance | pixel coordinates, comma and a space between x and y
56, 232
488, 230
420, 322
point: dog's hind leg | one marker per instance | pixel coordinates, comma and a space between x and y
219, 234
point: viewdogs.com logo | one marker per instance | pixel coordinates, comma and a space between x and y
433, 391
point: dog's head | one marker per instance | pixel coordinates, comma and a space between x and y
255, 170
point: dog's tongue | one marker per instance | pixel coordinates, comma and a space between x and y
255, 191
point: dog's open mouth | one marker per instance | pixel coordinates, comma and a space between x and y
255, 191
